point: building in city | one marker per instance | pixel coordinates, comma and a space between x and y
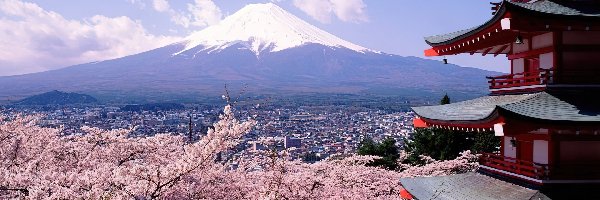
290, 142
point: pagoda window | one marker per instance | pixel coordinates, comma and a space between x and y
518, 66
547, 60
541, 41
540, 151
510, 149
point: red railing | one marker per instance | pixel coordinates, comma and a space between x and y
540, 77
521, 167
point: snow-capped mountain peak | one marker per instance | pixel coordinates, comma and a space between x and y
263, 27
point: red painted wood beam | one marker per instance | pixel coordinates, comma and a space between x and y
531, 53
454, 48
419, 123
502, 37
487, 51
501, 50
499, 38
486, 124
431, 52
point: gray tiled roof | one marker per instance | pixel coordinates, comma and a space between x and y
558, 107
471, 110
436, 39
578, 106
540, 6
563, 8
467, 186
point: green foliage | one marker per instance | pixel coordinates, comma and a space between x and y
486, 142
443, 144
445, 100
387, 150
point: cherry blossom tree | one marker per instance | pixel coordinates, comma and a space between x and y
464, 163
43, 163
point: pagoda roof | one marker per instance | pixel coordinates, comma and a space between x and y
567, 8
541, 7
470, 185
565, 106
569, 106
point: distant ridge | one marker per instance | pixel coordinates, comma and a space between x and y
57, 98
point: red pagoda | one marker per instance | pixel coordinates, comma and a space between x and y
547, 110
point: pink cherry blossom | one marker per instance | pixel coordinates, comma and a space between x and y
42, 163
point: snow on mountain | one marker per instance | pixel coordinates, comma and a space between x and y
261, 27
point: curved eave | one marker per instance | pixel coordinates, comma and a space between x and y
468, 40
548, 123
484, 124
450, 38
557, 107
560, 108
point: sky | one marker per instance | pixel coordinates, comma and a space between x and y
44, 35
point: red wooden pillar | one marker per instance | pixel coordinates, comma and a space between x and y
557, 37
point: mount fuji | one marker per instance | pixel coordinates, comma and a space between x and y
261, 46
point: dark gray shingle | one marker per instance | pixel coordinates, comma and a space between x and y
575, 106
466, 186
471, 110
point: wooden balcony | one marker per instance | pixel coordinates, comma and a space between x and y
515, 166
521, 82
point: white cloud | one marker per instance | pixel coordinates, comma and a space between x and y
350, 10
345, 10
200, 13
33, 39
161, 5
317, 9
204, 13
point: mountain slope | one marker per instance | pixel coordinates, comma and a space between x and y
263, 46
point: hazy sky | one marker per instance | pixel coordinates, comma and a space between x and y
48, 34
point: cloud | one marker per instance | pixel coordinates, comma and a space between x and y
345, 10
200, 13
161, 5
204, 13
33, 39
317, 9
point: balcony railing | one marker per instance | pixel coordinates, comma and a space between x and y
521, 167
539, 77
